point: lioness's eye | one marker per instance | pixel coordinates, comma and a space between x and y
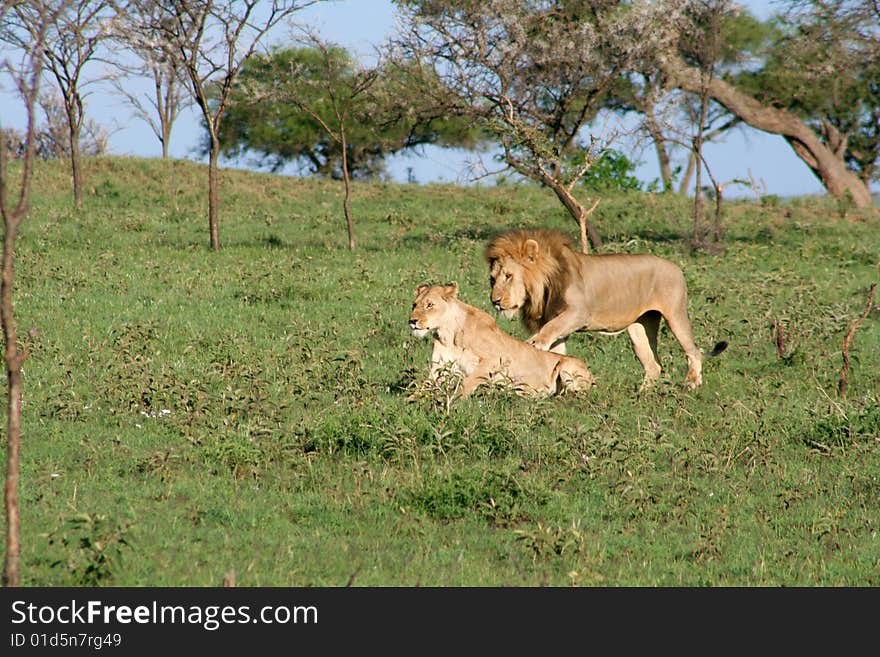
508, 276
429, 305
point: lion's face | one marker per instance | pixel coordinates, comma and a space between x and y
508, 286
430, 307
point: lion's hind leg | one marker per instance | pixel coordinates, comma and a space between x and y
643, 333
680, 326
571, 375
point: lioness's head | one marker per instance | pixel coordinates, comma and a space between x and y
430, 307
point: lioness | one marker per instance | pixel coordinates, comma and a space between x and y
559, 291
471, 342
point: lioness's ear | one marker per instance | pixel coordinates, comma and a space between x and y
531, 249
451, 290
421, 288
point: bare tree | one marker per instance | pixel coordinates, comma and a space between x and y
341, 104
138, 29
644, 93
706, 18
331, 98
72, 42
14, 208
721, 40
535, 73
716, 124
213, 39
52, 140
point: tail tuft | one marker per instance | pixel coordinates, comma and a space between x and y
718, 350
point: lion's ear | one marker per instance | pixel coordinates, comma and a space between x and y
421, 288
532, 249
451, 290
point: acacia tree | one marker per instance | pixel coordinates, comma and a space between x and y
214, 39
534, 73
138, 30
72, 41
265, 122
822, 63
26, 75
669, 115
813, 148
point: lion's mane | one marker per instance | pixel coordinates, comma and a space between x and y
545, 277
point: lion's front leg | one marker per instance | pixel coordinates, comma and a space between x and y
442, 374
475, 379
557, 347
553, 334
444, 362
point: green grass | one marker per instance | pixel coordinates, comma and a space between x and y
189, 413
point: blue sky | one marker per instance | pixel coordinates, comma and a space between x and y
358, 24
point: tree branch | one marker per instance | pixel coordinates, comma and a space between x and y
844, 378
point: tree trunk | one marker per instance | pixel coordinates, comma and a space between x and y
213, 194
74, 110
660, 146
346, 201
162, 110
688, 173
578, 212
13, 410
76, 168
697, 239
823, 162
698, 154
11, 221
29, 86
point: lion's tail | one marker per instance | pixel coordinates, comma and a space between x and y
718, 350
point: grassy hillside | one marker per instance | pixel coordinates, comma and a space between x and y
190, 413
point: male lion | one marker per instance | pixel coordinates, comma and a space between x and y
471, 342
560, 291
